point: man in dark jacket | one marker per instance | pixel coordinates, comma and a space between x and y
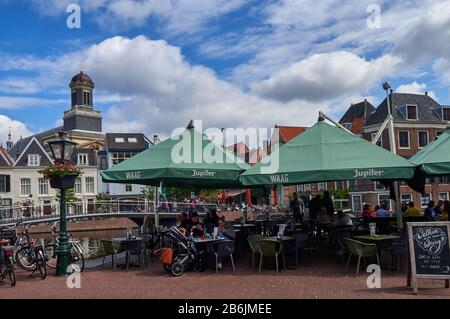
314, 207
327, 202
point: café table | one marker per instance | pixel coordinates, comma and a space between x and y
275, 238
377, 239
125, 243
208, 242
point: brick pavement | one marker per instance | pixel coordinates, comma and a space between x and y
323, 278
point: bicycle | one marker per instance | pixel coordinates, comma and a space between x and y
7, 263
76, 251
30, 255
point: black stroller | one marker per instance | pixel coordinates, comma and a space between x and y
185, 255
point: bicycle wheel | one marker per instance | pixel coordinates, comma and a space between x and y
40, 264
25, 259
50, 255
77, 256
11, 277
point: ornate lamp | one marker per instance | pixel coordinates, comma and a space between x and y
62, 148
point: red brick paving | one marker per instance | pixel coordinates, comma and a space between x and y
322, 279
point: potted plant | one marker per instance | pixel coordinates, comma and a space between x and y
61, 175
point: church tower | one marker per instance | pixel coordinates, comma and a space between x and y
82, 116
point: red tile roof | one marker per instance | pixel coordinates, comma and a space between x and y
287, 133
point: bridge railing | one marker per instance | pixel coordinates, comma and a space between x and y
11, 214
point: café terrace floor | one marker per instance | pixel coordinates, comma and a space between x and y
324, 277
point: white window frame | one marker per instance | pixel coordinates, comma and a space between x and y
417, 112
360, 202
398, 140
83, 159
43, 186
379, 140
343, 184
379, 201
132, 140
78, 188
34, 160
440, 180
406, 194
87, 98
322, 183
422, 197
89, 182
439, 195
375, 183
119, 140
22, 187
128, 186
418, 138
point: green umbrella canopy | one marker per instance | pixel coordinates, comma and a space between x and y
188, 159
327, 153
434, 159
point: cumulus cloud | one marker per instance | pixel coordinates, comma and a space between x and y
326, 76
18, 102
415, 88
17, 128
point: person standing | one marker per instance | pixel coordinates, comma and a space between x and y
327, 202
314, 207
429, 212
298, 208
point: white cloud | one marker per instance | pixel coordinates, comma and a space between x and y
17, 102
415, 88
322, 77
17, 129
12, 85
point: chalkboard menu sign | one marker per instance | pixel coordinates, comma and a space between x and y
429, 251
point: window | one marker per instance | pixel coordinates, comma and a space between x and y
446, 113
379, 186
383, 199
380, 140
132, 140
119, 140
83, 159
443, 179
128, 188
118, 157
357, 203
340, 185
425, 199
443, 196
34, 160
86, 98
322, 186
78, 189
74, 97
406, 198
411, 112
5, 184
43, 186
428, 181
403, 139
423, 138
103, 163
25, 186
90, 188
347, 125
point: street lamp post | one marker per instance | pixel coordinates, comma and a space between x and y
62, 149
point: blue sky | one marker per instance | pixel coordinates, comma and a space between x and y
231, 63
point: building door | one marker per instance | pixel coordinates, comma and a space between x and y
357, 203
47, 207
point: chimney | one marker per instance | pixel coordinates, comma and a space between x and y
266, 146
426, 93
155, 139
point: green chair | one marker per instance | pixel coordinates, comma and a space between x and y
360, 250
253, 243
112, 248
271, 248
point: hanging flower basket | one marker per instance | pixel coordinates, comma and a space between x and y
61, 175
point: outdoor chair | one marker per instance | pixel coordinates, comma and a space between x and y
253, 242
270, 248
136, 248
111, 248
224, 248
341, 245
360, 250
149, 245
398, 250
301, 245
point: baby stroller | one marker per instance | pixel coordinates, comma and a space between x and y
185, 255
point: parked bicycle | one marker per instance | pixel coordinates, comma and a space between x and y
76, 251
7, 263
30, 254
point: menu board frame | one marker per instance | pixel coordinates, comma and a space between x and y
412, 269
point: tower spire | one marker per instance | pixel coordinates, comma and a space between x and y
9, 143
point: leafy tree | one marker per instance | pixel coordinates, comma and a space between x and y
69, 196
149, 192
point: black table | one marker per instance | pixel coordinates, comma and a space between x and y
125, 242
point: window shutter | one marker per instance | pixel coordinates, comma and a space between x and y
7, 183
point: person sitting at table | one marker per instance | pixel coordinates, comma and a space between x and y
342, 220
412, 211
196, 229
148, 227
227, 233
438, 208
211, 217
327, 202
404, 207
382, 211
429, 212
367, 211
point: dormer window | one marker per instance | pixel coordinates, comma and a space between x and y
446, 114
34, 160
87, 98
83, 159
119, 140
132, 140
411, 112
